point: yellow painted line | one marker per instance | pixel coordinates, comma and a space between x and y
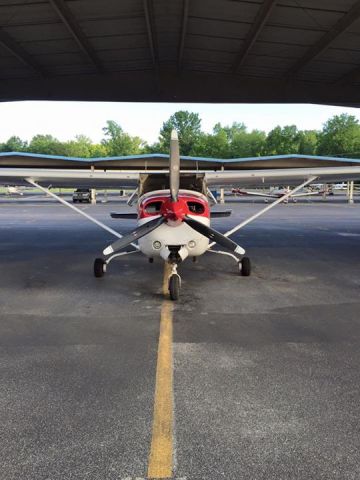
161, 451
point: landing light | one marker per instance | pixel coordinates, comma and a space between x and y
157, 245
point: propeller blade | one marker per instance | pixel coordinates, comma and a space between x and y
220, 213
214, 235
124, 215
174, 166
135, 235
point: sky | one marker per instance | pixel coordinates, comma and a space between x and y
65, 120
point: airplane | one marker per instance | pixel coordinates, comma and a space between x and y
340, 186
277, 192
173, 207
174, 224
13, 191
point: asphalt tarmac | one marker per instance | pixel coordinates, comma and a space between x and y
266, 371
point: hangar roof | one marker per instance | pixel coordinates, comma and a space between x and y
181, 50
160, 161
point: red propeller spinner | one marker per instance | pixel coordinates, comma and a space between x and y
174, 211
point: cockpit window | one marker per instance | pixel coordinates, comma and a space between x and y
153, 207
196, 207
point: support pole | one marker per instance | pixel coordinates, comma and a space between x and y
93, 196
351, 193
324, 195
222, 196
222, 190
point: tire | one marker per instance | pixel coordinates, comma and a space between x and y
174, 287
245, 267
99, 267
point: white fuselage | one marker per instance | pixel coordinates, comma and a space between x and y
157, 242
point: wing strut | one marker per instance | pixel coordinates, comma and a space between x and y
267, 208
84, 214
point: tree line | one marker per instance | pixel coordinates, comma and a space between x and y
339, 136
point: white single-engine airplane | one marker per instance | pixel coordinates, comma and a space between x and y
277, 192
173, 211
13, 191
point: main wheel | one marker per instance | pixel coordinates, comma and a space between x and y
99, 267
245, 267
174, 287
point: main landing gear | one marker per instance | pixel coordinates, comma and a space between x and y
99, 267
245, 267
244, 264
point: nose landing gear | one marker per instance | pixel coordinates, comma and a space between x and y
174, 283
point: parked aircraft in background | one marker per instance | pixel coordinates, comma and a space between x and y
13, 191
278, 192
340, 186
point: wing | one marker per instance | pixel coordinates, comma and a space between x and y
65, 178
280, 176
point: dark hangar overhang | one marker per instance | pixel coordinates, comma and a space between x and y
181, 50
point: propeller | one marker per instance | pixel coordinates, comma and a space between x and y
214, 235
135, 235
174, 166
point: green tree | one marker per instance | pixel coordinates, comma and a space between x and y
14, 144
80, 147
46, 144
340, 136
98, 150
282, 141
188, 126
230, 142
117, 142
154, 148
231, 131
308, 140
248, 144
213, 145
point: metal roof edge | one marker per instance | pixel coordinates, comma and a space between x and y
183, 157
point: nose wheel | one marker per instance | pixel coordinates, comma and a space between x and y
174, 287
174, 283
